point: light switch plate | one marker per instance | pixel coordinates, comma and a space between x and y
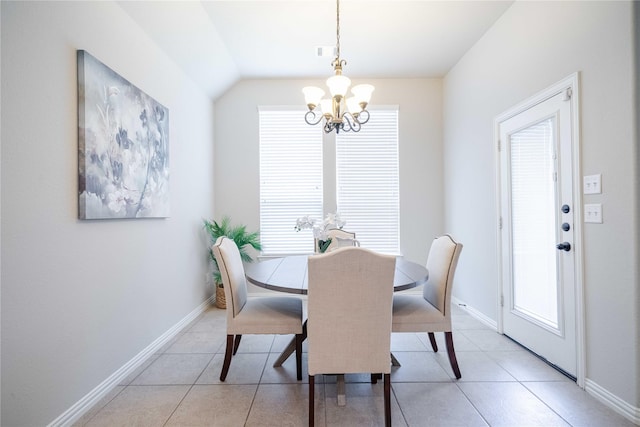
592, 184
593, 213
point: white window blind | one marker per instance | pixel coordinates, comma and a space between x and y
290, 179
533, 220
368, 181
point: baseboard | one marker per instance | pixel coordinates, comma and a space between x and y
94, 396
625, 409
475, 313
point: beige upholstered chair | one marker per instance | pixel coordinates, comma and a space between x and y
339, 239
349, 311
431, 312
264, 315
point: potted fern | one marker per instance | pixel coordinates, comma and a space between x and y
241, 237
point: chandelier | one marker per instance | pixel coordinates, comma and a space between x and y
338, 112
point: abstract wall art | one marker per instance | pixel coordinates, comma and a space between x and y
123, 146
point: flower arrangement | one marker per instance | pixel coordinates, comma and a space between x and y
331, 221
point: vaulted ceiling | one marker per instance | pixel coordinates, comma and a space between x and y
220, 42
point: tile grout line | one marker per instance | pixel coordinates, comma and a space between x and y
472, 405
178, 405
195, 381
255, 393
404, 417
545, 403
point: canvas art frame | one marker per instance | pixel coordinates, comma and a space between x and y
123, 146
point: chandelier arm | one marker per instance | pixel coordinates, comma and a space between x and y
363, 117
352, 122
310, 118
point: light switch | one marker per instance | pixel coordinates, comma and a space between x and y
593, 213
592, 184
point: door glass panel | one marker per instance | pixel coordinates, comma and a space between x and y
534, 223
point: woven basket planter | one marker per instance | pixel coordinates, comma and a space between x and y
221, 301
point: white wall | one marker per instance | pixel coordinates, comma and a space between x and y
532, 46
420, 120
82, 298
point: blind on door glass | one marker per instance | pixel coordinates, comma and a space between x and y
368, 181
290, 180
533, 221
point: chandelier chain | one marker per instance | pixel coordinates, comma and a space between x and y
338, 29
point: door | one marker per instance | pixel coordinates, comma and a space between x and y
538, 226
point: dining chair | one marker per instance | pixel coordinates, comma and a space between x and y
261, 315
431, 311
349, 311
339, 239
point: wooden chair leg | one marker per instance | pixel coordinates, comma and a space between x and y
375, 378
312, 401
299, 357
434, 345
448, 336
387, 400
236, 344
227, 358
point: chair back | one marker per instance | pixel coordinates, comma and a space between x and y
349, 309
442, 262
232, 271
339, 239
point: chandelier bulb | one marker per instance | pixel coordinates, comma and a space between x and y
312, 96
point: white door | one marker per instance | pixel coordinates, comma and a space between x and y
538, 226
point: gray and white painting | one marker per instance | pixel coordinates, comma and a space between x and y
123, 146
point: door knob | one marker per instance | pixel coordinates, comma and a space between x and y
564, 246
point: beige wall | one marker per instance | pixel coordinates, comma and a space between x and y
532, 46
82, 298
420, 120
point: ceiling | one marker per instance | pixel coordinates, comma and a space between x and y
220, 42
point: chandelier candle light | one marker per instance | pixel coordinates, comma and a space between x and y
339, 112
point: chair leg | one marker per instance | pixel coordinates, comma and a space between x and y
299, 357
312, 401
434, 345
448, 336
375, 378
387, 400
236, 344
227, 358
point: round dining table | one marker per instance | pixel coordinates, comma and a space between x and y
289, 274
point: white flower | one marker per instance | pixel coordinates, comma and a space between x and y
304, 222
331, 221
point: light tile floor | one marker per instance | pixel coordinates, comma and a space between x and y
502, 385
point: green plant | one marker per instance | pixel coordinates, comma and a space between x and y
238, 234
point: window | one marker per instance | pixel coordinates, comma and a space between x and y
290, 179
368, 183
